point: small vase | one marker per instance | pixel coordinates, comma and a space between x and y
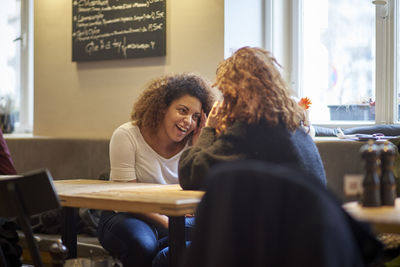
7, 123
307, 124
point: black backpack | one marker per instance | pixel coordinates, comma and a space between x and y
9, 243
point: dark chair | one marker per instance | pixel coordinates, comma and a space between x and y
259, 214
27, 195
3, 262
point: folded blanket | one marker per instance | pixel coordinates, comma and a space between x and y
385, 129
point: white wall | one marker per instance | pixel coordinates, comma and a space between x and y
90, 99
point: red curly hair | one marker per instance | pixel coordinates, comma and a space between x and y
254, 90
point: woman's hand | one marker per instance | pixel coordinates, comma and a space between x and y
212, 120
202, 123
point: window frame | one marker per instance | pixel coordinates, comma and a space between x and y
25, 124
386, 108
385, 91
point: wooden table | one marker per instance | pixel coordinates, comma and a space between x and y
384, 219
169, 200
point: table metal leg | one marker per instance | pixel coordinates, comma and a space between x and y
69, 230
176, 239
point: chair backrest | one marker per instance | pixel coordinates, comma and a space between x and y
36, 190
27, 195
3, 262
260, 214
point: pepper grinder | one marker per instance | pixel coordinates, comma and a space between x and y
388, 181
58, 254
371, 196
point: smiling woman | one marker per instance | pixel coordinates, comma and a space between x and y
166, 119
180, 120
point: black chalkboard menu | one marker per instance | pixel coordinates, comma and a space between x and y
117, 29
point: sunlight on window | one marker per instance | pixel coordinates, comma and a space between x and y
10, 31
397, 64
339, 59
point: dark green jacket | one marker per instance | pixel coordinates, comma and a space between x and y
243, 141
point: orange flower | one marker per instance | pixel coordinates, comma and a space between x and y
305, 103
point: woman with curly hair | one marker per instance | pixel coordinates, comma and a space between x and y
257, 119
164, 122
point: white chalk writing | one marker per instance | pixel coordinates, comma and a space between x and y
97, 20
94, 33
120, 46
99, 5
105, 25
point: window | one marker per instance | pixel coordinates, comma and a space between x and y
397, 55
16, 65
343, 59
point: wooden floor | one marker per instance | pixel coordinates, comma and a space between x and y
27, 259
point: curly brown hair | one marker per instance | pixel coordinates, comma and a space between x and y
149, 109
254, 90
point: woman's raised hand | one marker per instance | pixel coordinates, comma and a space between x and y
212, 120
202, 123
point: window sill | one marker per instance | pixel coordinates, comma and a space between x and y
22, 136
344, 124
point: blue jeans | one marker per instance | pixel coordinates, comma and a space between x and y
133, 241
162, 257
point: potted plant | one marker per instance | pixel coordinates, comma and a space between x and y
7, 119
